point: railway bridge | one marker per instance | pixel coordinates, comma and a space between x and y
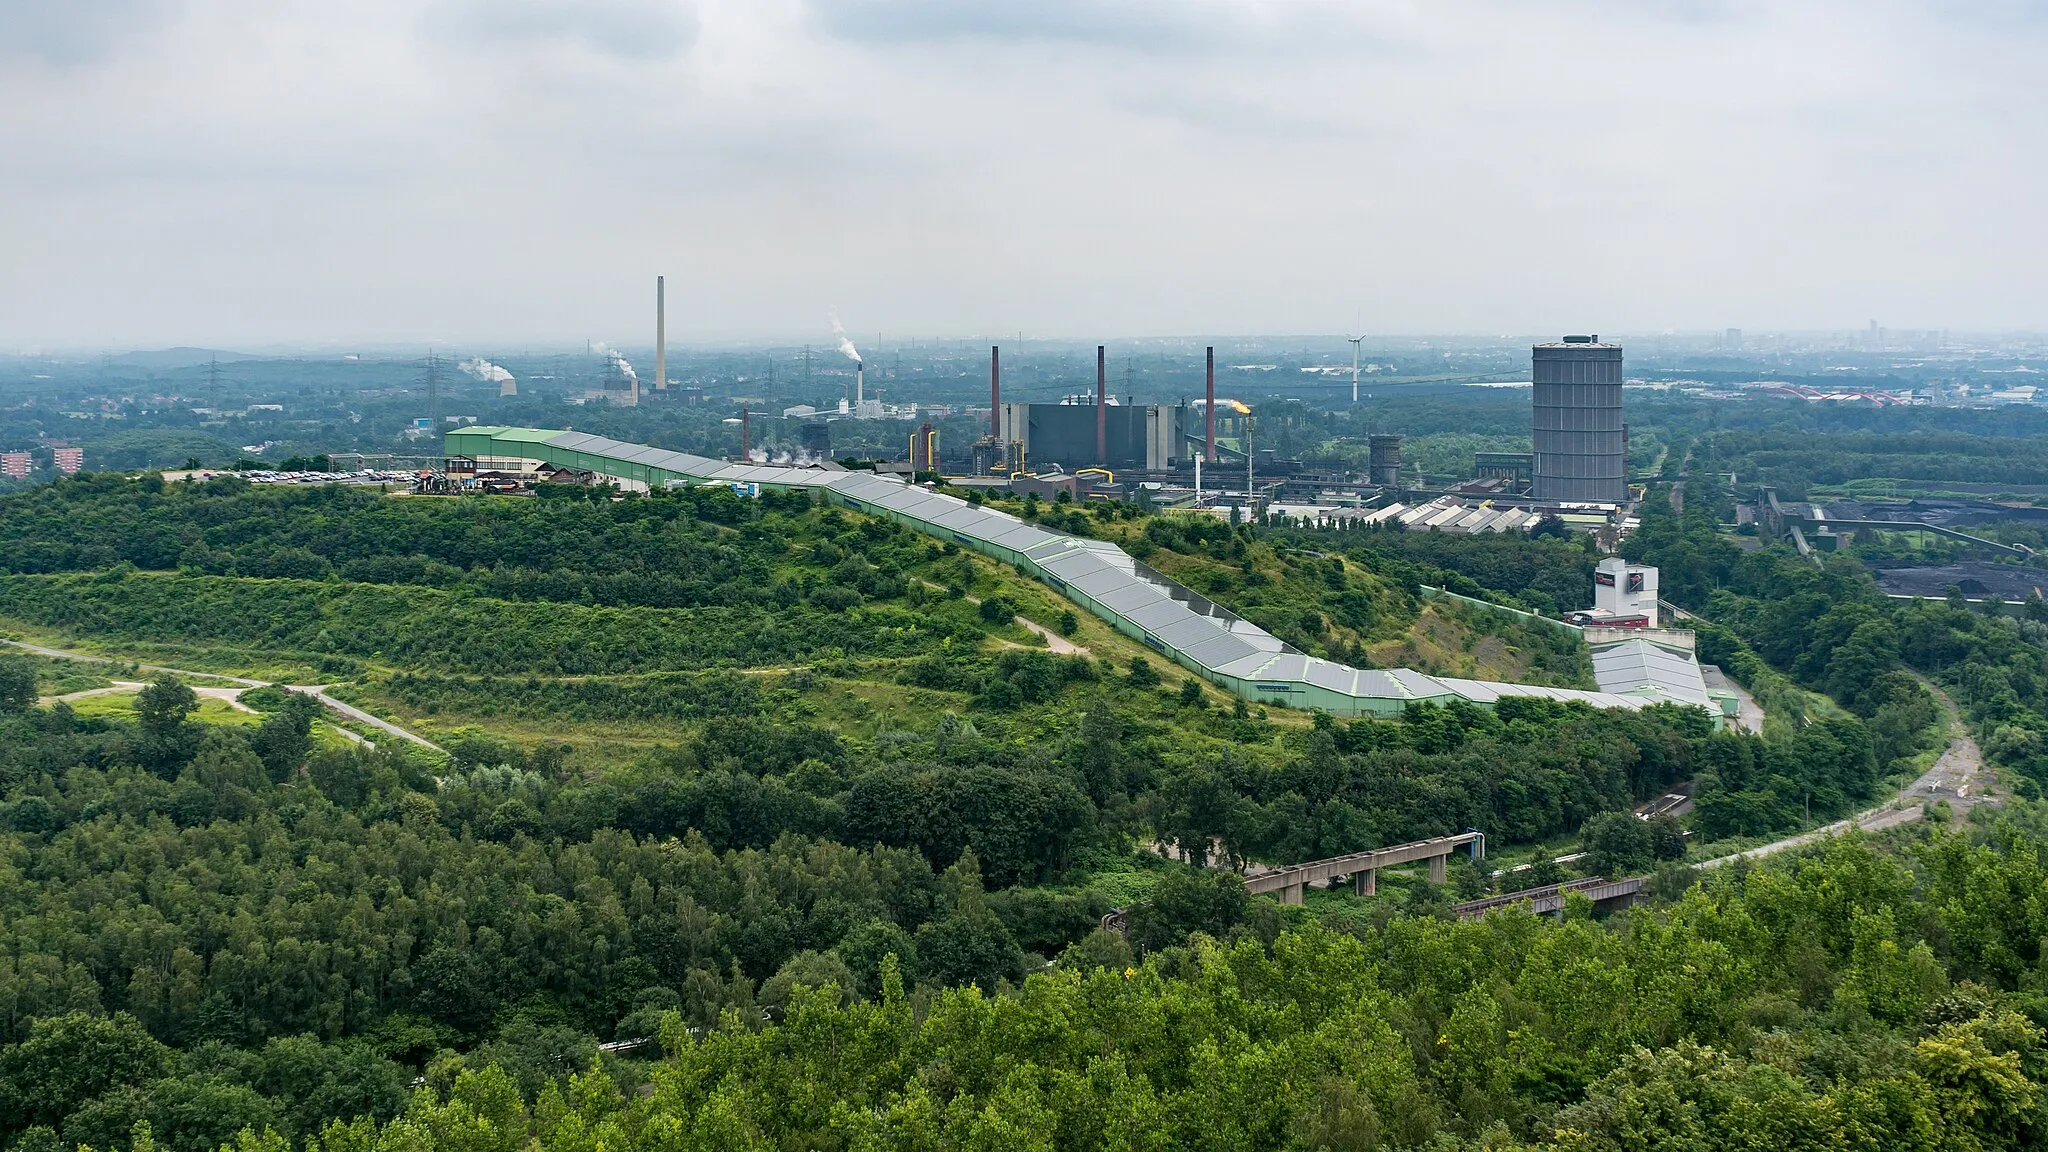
1363, 867
1604, 894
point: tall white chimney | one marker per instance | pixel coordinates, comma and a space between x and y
660, 334
860, 378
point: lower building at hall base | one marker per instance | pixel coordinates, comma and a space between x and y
1181, 626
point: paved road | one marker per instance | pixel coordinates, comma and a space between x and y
1874, 820
1957, 777
1748, 713
317, 692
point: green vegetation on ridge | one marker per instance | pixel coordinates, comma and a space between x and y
266, 934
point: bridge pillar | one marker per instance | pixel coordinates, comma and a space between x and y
1291, 894
1367, 882
1438, 868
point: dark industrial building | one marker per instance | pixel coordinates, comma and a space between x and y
1581, 443
1132, 436
1383, 461
1514, 467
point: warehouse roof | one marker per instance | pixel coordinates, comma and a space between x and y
1638, 666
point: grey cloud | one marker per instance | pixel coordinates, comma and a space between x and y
1148, 24
629, 29
312, 169
70, 33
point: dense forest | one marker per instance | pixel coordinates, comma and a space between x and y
876, 818
221, 958
1826, 626
1856, 1000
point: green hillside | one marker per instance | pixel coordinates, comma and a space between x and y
702, 752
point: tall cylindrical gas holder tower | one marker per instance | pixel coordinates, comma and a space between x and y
1581, 443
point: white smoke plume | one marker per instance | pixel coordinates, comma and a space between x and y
845, 345
624, 366
486, 371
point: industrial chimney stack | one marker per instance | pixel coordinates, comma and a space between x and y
661, 334
1101, 413
995, 391
1209, 412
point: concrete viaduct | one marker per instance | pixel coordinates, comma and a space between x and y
1363, 867
1605, 894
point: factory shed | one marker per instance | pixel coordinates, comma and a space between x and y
1643, 667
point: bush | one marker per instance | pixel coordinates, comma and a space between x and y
1617, 844
1187, 902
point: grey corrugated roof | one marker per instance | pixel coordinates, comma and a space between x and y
1215, 654
1099, 579
679, 461
1415, 683
1156, 614
911, 497
1637, 665
1332, 676
1131, 598
1185, 631
1253, 635
1379, 682
1251, 666
1018, 537
1477, 691
1068, 564
959, 520
1286, 666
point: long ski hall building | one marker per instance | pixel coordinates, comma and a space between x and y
1183, 627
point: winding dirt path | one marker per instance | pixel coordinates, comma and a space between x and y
1055, 643
317, 692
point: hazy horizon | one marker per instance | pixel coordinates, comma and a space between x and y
468, 173
1327, 342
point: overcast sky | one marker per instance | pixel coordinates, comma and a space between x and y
257, 172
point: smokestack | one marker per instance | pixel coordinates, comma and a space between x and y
995, 390
661, 333
1101, 413
1209, 413
860, 384
745, 417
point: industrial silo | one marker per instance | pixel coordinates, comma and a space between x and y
1581, 445
1383, 461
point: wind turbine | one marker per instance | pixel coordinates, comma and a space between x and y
1354, 365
